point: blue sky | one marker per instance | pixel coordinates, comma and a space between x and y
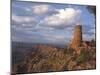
49, 22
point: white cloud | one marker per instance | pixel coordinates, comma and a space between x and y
54, 38
22, 19
63, 18
40, 9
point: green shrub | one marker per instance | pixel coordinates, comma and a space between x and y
80, 58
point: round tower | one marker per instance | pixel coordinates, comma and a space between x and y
77, 38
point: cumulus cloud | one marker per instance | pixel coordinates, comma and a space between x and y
42, 23
25, 23
63, 18
40, 9
57, 39
22, 19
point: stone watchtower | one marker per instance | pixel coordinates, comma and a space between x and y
77, 38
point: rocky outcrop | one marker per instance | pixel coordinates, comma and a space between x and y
54, 60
